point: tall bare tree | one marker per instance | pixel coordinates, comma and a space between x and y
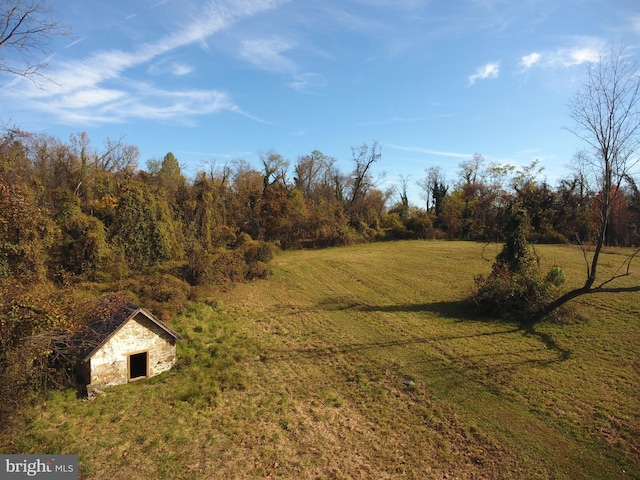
606, 112
435, 188
364, 157
26, 28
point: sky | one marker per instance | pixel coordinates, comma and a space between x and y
431, 81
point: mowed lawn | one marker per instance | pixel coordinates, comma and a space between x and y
365, 362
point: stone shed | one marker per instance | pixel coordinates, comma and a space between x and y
123, 343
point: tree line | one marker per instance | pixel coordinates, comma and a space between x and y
69, 212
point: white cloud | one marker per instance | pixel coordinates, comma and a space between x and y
164, 105
583, 50
570, 57
530, 60
490, 70
170, 68
95, 89
267, 53
140, 100
75, 42
180, 69
92, 97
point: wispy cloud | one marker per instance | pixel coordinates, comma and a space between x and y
267, 53
180, 69
426, 151
490, 70
75, 42
176, 69
530, 60
96, 89
308, 82
583, 50
95, 106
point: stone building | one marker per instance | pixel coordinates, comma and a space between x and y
123, 343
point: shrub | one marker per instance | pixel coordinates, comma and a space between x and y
393, 227
515, 288
247, 261
556, 276
163, 294
421, 226
257, 255
515, 295
35, 335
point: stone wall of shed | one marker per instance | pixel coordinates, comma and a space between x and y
109, 365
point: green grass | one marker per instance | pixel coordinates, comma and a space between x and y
364, 362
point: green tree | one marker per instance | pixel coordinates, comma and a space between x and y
27, 233
246, 204
274, 208
516, 255
144, 227
170, 167
84, 249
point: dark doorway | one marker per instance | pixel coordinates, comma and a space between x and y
138, 365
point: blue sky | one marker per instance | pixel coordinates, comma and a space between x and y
432, 81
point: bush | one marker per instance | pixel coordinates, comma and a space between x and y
35, 335
515, 296
556, 276
515, 288
246, 261
421, 226
257, 254
163, 294
393, 227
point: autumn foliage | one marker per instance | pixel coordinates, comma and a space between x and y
78, 221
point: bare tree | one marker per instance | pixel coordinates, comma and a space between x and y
361, 180
117, 157
402, 191
275, 169
607, 118
471, 170
26, 28
434, 187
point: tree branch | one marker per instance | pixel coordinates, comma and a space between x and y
26, 30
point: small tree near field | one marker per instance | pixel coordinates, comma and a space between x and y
515, 288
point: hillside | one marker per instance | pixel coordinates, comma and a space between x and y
363, 362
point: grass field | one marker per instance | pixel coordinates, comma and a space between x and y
364, 362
